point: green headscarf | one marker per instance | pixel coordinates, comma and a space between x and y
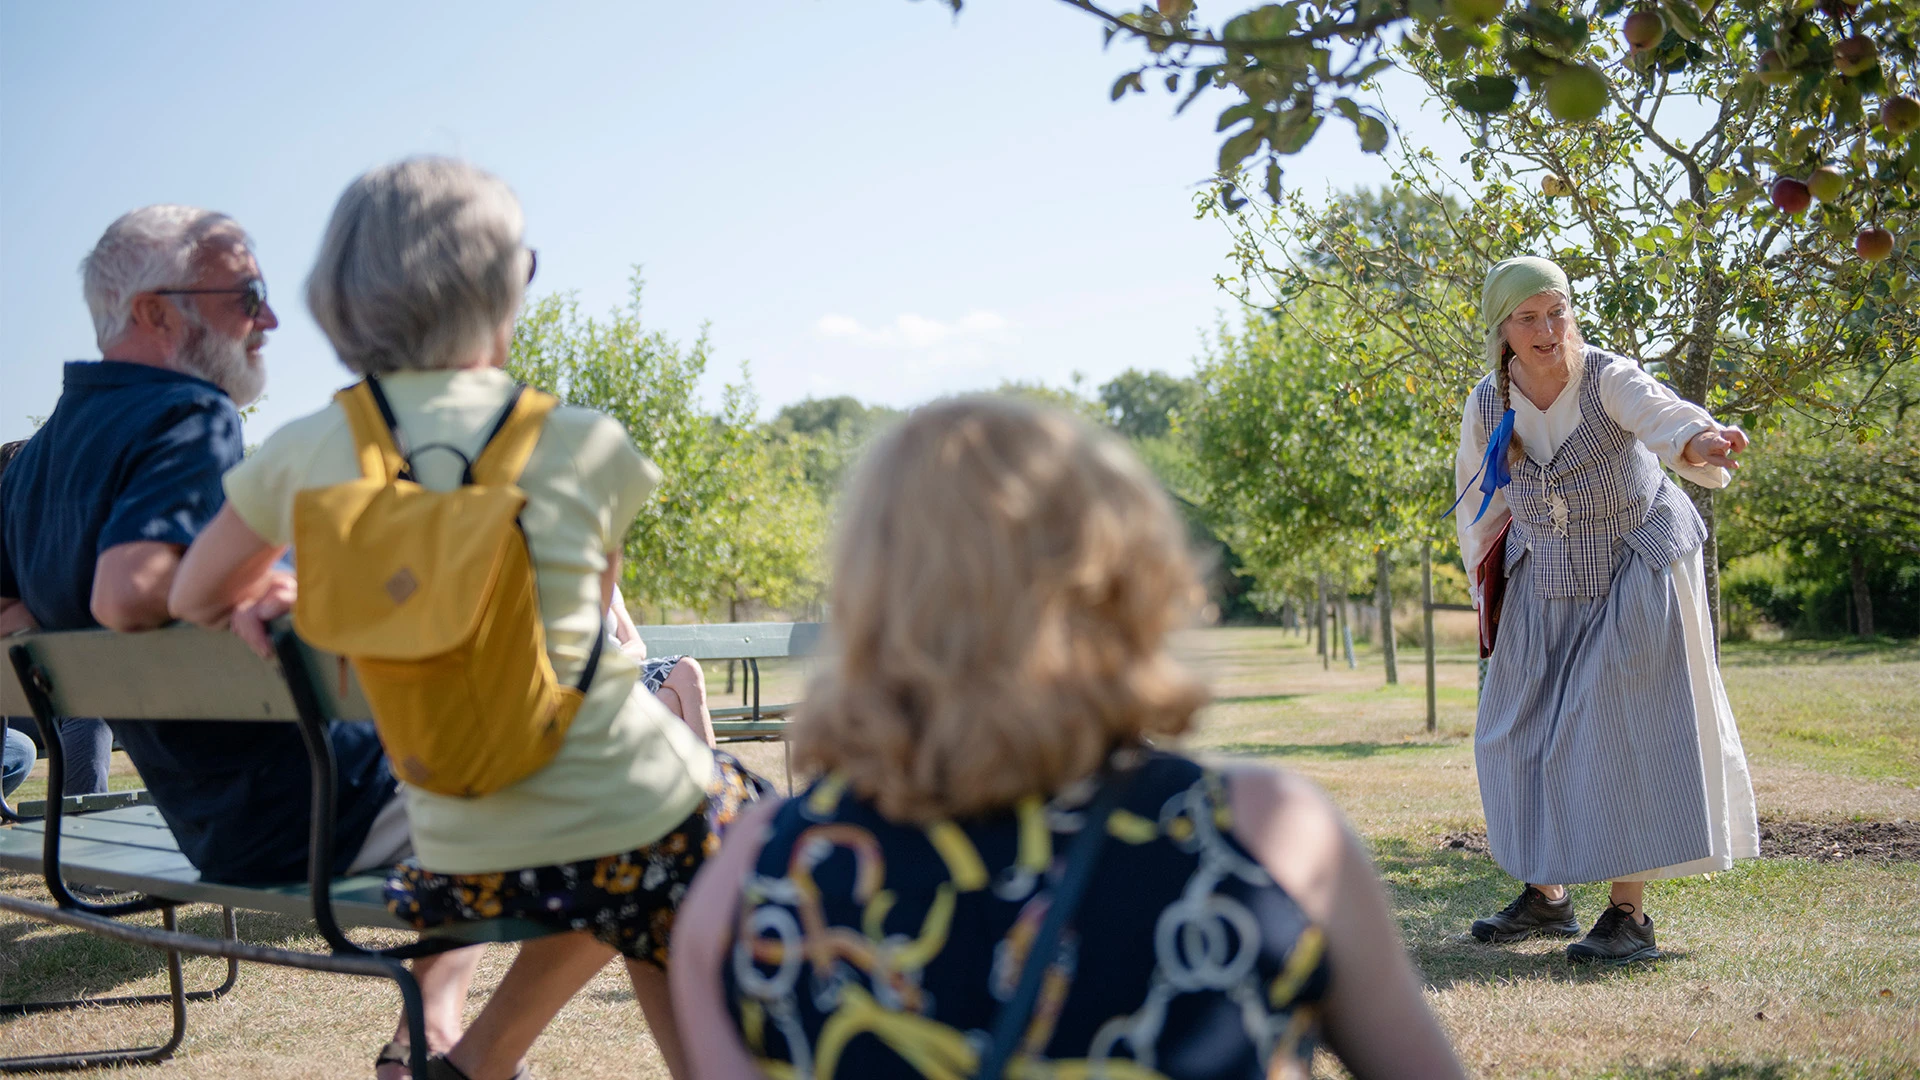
1513, 282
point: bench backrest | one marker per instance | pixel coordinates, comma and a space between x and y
185, 672
179, 673
734, 641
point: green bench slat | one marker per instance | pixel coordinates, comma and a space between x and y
732, 641
93, 853
118, 833
724, 729
187, 672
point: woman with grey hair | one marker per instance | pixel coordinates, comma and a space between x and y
1605, 746
419, 280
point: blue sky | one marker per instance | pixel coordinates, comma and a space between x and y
861, 196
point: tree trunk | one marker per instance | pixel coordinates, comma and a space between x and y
1320, 620
1383, 569
1695, 382
1862, 598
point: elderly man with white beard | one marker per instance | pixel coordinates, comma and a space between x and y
96, 511
100, 493
97, 508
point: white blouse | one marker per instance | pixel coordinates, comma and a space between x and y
1632, 398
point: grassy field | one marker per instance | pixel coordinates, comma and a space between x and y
1783, 967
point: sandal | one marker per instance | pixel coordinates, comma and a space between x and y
394, 1053
439, 1068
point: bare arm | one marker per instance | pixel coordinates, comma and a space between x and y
227, 577
14, 617
702, 936
130, 583
624, 631
1376, 1016
228, 566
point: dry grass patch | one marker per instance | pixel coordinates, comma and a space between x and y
1780, 969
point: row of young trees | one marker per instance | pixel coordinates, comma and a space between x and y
1292, 451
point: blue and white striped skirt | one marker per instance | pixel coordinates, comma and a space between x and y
1588, 746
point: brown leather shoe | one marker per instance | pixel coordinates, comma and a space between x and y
1619, 937
1531, 913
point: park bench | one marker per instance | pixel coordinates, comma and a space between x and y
186, 673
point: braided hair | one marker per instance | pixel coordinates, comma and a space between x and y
1503, 382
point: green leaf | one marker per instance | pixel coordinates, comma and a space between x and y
1295, 129
1685, 19
1373, 134
1246, 110
1238, 149
1271, 21
1484, 93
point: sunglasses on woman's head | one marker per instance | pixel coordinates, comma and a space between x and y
252, 293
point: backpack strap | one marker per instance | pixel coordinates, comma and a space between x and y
1011, 1023
373, 434
508, 446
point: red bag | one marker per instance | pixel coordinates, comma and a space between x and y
1491, 576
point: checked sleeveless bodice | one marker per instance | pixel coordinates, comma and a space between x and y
1600, 488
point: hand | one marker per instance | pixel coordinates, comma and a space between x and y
1716, 446
251, 618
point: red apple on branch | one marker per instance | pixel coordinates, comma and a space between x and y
1644, 29
1900, 114
1873, 245
1790, 196
1856, 55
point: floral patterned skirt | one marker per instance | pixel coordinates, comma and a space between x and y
626, 900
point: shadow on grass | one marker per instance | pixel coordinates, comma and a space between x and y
1816, 651
1346, 751
1256, 699
72, 964
1721, 1070
1438, 892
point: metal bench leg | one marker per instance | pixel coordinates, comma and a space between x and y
230, 933
176, 996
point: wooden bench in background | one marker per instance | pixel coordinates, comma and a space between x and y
185, 673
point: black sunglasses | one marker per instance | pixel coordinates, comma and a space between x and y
253, 295
533, 263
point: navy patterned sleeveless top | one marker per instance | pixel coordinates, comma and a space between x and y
873, 950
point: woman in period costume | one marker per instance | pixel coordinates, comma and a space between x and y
1605, 746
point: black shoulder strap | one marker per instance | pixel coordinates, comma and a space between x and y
593, 658
493, 432
1012, 1020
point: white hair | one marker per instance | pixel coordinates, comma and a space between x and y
420, 266
154, 247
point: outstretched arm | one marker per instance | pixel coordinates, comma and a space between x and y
1680, 433
1376, 1016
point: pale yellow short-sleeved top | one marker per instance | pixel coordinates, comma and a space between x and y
629, 771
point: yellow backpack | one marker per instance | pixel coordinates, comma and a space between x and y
431, 596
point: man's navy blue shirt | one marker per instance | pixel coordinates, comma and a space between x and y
134, 453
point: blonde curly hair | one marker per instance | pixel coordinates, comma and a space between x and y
1004, 581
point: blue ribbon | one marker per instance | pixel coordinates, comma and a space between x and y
1494, 473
